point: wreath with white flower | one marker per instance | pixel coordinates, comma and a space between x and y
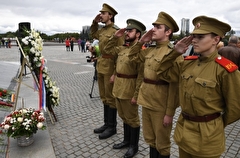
23, 122
32, 46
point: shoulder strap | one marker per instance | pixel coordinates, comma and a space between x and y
116, 27
227, 64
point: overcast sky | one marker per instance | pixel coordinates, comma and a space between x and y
59, 16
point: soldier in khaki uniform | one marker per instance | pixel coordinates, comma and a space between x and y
158, 98
209, 90
126, 84
105, 69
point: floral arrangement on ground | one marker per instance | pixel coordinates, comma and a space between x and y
23, 122
32, 46
6, 97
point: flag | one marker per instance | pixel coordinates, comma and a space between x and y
43, 96
12, 98
35, 86
42, 90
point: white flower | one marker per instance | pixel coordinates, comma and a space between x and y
42, 114
45, 70
55, 92
41, 58
24, 111
24, 40
12, 120
40, 125
6, 127
33, 43
32, 50
27, 127
35, 59
38, 54
20, 119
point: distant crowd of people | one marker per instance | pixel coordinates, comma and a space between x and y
5, 43
83, 45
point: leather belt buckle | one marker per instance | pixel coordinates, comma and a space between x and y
204, 118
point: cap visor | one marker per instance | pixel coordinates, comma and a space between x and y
200, 32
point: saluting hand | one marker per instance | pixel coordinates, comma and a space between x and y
98, 18
120, 32
183, 44
147, 36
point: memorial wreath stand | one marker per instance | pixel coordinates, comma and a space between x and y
25, 63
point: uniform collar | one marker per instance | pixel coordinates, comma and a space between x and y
108, 26
129, 44
159, 44
211, 57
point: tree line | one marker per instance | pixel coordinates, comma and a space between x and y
85, 34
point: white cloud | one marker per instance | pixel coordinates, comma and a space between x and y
58, 16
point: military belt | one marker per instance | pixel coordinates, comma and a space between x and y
107, 56
204, 118
126, 76
156, 82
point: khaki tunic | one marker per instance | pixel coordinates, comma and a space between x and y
205, 88
156, 100
151, 96
125, 89
105, 66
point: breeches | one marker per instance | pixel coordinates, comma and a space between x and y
155, 134
105, 90
128, 112
183, 154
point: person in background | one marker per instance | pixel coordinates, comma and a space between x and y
220, 45
83, 42
79, 44
87, 45
94, 49
130, 75
9, 43
231, 51
95, 53
95, 42
159, 99
209, 90
72, 43
238, 44
67, 43
3, 42
6, 43
106, 69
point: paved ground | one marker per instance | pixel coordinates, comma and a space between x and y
72, 135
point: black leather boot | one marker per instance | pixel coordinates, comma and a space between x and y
133, 148
112, 123
163, 156
153, 153
105, 115
126, 140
